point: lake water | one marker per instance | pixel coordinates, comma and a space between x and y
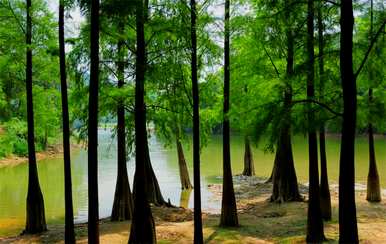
13, 179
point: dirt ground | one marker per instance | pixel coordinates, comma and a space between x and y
261, 221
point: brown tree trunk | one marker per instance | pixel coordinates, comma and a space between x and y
123, 200
373, 186
93, 205
325, 198
315, 232
184, 174
36, 220
198, 236
142, 226
284, 180
228, 204
249, 168
69, 234
348, 229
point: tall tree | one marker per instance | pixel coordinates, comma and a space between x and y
315, 232
123, 200
93, 206
69, 234
183, 168
36, 220
325, 197
373, 186
228, 203
284, 180
198, 236
348, 230
142, 226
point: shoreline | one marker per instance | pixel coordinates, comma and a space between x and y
52, 151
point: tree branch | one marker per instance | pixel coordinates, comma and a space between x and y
369, 49
323, 105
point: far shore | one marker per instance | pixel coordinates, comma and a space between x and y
52, 151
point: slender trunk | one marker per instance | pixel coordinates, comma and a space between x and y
93, 206
347, 209
184, 174
228, 204
198, 236
315, 231
373, 186
69, 234
325, 198
123, 200
284, 180
249, 168
142, 226
36, 220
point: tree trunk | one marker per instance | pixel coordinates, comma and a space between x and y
325, 198
228, 204
142, 226
373, 186
347, 210
69, 234
123, 200
36, 220
184, 198
93, 205
198, 236
249, 168
315, 232
184, 174
284, 180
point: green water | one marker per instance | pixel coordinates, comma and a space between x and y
13, 179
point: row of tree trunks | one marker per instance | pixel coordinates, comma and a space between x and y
36, 220
142, 226
69, 234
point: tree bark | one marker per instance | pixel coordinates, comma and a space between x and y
123, 200
249, 167
315, 233
228, 204
93, 205
36, 220
347, 209
284, 180
142, 226
69, 234
184, 198
184, 174
198, 236
325, 198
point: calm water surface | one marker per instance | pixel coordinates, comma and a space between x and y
13, 179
